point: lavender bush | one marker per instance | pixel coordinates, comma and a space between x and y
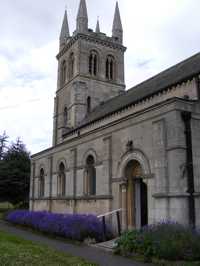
72, 226
165, 240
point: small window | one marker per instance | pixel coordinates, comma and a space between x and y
93, 61
71, 66
88, 104
63, 73
110, 68
61, 180
65, 116
41, 183
90, 176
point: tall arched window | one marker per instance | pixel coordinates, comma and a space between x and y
71, 65
93, 63
41, 183
65, 117
90, 176
61, 180
110, 66
63, 73
88, 104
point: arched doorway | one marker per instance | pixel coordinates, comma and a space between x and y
136, 196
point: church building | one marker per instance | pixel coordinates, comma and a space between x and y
136, 150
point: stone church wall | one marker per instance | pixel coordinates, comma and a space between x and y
196, 159
157, 135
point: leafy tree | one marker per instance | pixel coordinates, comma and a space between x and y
3, 144
15, 174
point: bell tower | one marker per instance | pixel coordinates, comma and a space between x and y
90, 70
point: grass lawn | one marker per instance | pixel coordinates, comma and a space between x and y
180, 263
158, 262
6, 205
15, 251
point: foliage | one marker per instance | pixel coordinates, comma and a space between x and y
15, 173
72, 226
5, 207
3, 144
164, 240
17, 251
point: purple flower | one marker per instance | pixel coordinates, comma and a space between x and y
71, 226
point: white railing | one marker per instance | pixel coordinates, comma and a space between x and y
117, 212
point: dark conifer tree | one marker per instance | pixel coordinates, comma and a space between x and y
15, 174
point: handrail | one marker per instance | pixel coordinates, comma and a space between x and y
109, 213
104, 221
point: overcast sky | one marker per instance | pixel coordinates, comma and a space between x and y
157, 33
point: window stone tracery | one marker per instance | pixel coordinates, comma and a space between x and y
90, 177
110, 67
41, 184
63, 73
71, 65
61, 180
93, 63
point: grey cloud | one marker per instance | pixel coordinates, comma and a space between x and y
14, 106
144, 63
153, 46
28, 76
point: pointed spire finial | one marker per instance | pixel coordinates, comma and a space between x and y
82, 18
64, 34
117, 30
97, 26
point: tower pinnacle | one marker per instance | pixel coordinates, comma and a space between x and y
117, 31
82, 18
97, 27
64, 34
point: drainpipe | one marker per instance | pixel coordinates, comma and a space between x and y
186, 116
197, 79
50, 182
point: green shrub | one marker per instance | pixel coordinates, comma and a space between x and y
125, 244
166, 240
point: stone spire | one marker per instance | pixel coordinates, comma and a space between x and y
117, 31
97, 27
64, 35
82, 18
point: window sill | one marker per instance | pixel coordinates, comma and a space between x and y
83, 197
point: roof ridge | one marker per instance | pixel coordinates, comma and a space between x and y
146, 81
179, 73
166, 70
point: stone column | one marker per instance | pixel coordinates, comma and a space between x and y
107, 167
107, 161
50, 181
32, 187
55, 122
74, 172
123, 187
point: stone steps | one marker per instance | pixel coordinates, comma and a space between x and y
107, 246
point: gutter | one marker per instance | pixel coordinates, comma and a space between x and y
186, 117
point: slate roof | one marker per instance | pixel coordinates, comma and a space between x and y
177, 74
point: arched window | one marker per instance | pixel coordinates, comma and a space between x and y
61, 180
65, 116
93, 61
41, 183
110, 68
71, 65
63, 73
88, 104
90, 176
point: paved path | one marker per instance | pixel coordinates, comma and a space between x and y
92, 254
